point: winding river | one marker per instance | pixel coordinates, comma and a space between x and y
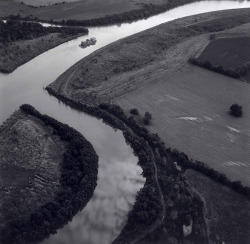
119, 176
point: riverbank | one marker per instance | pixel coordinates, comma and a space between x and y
38, 164
140, 71
92, 12
128, 64
20, 50
147, 222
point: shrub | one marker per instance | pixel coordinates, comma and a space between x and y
236, 110
134, 111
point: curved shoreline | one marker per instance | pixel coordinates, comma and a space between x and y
78, 181
148, 10
27, 59
147, 146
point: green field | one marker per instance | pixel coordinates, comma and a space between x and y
227, 213
190, 112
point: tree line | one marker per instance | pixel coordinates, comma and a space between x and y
146, 11
78, 180
145, 212
14, 30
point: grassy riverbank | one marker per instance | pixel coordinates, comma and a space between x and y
21, 42
177, 203
42, 184
152, 68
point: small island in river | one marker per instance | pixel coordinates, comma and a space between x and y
42, 185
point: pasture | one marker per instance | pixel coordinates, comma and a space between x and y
227, 213
190, 113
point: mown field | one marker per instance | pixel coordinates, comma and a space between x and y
30, 167
190, 111
227, 213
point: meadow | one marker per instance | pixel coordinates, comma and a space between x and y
190, 112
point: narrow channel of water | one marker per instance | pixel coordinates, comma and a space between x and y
119, 177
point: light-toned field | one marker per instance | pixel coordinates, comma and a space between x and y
190, 112
227, 212
30, 166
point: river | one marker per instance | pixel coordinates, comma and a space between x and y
119, 176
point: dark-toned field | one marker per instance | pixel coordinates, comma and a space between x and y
229, 53
227, 213
30, 167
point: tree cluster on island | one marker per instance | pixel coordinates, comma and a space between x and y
14, 30
78, 181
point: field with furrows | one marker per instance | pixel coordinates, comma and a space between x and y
30, 166
190, 112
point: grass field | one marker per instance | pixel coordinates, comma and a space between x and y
34, 178
227, 212
190, 111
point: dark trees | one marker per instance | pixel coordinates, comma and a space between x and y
147, 118
236, 110
134, 111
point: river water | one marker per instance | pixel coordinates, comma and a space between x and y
119, 176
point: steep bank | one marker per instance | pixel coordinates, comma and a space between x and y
39, 165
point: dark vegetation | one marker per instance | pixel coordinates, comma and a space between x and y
228, 56
219, 69
236, 110
181, 204
146, 11
134, 111
154, 140
147, 118
78, 181
14, 30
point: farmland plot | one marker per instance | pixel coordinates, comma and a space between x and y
190, 112
227, 213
